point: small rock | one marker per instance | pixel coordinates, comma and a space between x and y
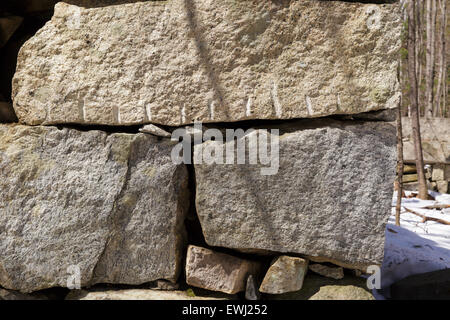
286, 274
442, 186
251, 291
215, 271
326, 271
304, 208
433, 186
154, 130
8, 25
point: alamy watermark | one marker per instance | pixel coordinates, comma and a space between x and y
236, 146
374, 280
74, 277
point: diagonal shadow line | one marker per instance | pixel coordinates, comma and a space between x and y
205, 56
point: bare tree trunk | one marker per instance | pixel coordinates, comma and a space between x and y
399, 167
419, 49
437, 110
415, 124
430, 57
444, 58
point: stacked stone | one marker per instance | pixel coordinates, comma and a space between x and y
102, 205
435, 135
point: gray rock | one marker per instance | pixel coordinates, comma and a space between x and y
14, 295
285, 274
173, 62
342, 293
438, 172
251, 289
140, 294
312, 205
216, 271
109, 206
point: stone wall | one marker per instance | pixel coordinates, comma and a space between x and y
435, 134
91, 189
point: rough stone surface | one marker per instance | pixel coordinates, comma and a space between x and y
113, 205
316, 287
312, 205
140, 294
35, 7
435, 134
173, 62
8, 25
285, 274
442, 186
218, 271
326, 271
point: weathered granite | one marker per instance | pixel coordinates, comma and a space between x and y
312, 205
173, 62
111, 205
